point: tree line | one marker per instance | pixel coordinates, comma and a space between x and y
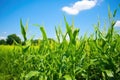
13, 38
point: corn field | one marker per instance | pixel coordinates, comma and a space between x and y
94, 57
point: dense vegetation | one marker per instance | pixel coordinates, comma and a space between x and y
96, 57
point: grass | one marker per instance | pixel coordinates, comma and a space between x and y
96, 57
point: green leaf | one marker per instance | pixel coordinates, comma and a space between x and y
26, 27
57, 34
67, 77
109, 73
24, 49
103, 38
28, 44
43, 33
23, 30
69, 30
31, 74
114, 14
75, 33
82, 58
17, 43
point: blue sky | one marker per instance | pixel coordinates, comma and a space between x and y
50, 13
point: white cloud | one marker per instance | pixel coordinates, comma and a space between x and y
117, 24
79, 6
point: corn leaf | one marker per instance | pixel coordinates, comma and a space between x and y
67, 77
23, 30
31, 74
43, 33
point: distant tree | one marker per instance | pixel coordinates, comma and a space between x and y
35, 42
10, 39
51, 40
2, 42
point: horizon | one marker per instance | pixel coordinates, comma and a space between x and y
51, 14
